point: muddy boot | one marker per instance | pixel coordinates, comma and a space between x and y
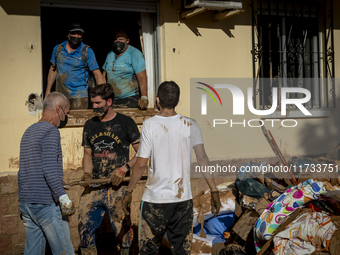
89, 251
124, 251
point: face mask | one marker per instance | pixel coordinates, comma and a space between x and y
119, 47
74, 40
100, 111
63, 122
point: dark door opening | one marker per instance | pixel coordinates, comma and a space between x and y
99, 26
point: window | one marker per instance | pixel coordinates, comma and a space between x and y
293, 47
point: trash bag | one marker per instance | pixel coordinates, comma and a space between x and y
251, 188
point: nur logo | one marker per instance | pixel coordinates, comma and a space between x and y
204, 97
238, 99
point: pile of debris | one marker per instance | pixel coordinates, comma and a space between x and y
268, 214
260, 216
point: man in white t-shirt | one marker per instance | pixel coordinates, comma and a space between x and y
166, 207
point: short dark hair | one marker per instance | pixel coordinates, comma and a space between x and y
105, 91
168, 94
121, 33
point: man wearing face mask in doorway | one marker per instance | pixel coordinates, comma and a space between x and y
106, 141
124, 69
72, 62
43, 201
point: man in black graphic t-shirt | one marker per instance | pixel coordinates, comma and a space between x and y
106, 141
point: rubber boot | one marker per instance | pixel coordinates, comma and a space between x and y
89, 251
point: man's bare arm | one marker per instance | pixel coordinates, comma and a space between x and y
137, 172
52, 74
98, 76
87, 160
143, 84
104, 76
203, 160
133, 160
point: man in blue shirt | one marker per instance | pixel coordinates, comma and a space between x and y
124, 69
71, 64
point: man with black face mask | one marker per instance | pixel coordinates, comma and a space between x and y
124, 69
71, 64
42, 199
106, 141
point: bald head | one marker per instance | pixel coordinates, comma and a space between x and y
54, 99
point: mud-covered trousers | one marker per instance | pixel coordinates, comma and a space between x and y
174, 219
92, 208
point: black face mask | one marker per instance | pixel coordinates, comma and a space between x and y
74, 40
63, 122
100, 111
119, 47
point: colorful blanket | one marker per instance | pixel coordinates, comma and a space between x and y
282, 207
307, 233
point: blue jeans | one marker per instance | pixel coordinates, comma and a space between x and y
45, 222
92, 208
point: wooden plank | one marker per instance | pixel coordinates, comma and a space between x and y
238, 209
77, 118
278, 153
245, 223
227, 14
335, 243
193, 12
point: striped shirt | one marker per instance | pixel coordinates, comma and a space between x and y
41, 167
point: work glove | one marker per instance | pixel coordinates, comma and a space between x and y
66, 205
215, 203
143, 102
126, 201
117, 176
85, 178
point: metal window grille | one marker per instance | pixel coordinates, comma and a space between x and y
293, 47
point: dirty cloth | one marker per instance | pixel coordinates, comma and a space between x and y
282, 207
306, 233
121, 72
169, 141
92, 207
71, 74
252, 188
109, 142
129, 102
174, 219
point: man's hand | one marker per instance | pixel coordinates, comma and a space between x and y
118, 175
87, 177
126, 201
215, 203
143, 102
66, 205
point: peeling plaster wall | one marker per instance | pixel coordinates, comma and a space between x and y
20, 74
